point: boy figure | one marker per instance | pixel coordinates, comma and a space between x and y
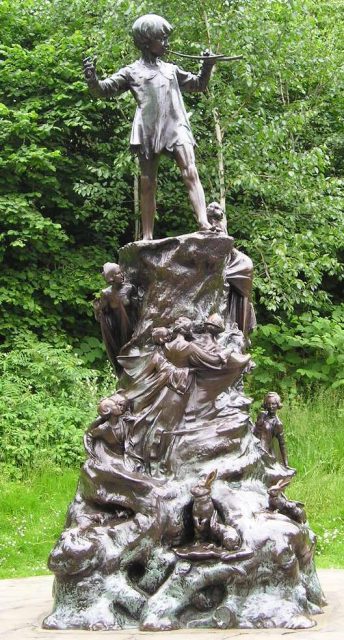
161, 124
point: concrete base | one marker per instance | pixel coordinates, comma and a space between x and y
25, 602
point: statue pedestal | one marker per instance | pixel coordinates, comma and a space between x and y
172, 526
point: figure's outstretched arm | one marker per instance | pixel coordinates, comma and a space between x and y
196, 83
200, 358
111, 86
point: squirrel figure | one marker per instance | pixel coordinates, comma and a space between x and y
206, 519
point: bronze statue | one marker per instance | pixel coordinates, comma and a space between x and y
116, 311
109, 438
206, 518
107, 426
279, 502
216, 217
161, 124
159, 392
269, 427
179, 520
185, 350
238, 275
211, 329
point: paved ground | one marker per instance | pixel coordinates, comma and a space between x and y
25, 602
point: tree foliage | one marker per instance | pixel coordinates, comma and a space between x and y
306, 353
67, 178
47, 399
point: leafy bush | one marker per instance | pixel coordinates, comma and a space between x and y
47, 399
302, 355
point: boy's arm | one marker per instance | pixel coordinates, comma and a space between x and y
196, 83
111, 86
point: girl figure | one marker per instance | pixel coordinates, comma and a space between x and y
115, 310
161, 123
107, 440
268, 426
108, 427
159, 392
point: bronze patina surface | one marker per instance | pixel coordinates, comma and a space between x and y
161, 124
179, 519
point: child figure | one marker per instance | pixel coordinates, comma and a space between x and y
116, 311
108, 437
108, 427
268, 426
161, 124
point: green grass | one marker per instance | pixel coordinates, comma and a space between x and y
32, 514
314, 432
33, 509
322, 495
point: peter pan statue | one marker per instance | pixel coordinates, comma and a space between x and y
161, 123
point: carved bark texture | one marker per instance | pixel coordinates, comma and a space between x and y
171, 525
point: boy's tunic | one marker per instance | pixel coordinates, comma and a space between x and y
161, 121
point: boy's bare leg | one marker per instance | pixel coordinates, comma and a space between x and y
148, 184
185, 158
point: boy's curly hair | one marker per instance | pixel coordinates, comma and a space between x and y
272, 395
149, 27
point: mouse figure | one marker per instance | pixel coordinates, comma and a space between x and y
206, 519
279, 502
217, 217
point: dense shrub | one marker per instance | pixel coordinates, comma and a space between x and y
299, 356
47, 399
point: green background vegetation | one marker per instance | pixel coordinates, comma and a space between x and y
67, 202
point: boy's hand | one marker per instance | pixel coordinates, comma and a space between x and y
209, 58
90, 68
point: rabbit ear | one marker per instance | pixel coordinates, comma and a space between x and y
210, 478
283, 482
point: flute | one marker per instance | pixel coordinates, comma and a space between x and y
218, 57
